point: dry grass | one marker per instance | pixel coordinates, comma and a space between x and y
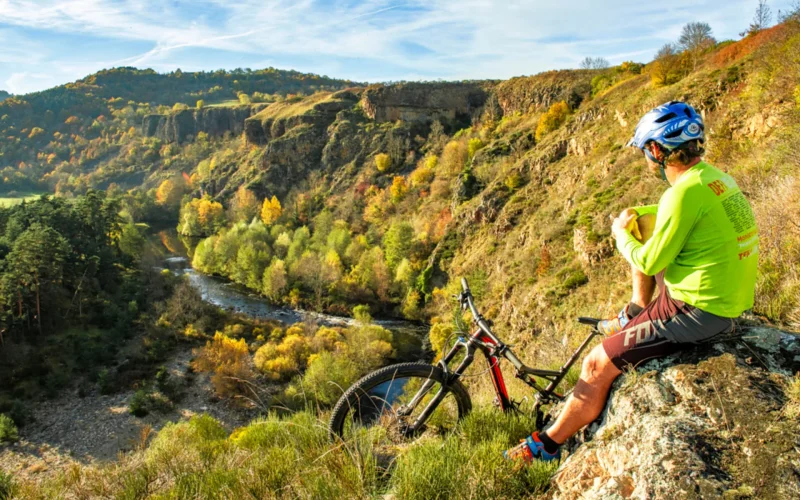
287, 109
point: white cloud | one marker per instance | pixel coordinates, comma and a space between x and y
18, 83
467, 38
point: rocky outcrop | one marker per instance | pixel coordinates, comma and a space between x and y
318, 111
424, 102
532, 94
590, 248
182, 125
716, 422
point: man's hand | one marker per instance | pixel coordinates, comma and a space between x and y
624, 222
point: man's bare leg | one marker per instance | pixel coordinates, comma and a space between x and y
589, 396
644, 287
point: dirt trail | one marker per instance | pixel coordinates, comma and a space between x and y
96, 428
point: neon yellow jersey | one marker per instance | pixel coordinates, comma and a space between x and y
706, 238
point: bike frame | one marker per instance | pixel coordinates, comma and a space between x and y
493, 349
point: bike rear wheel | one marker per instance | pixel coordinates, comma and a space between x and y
405, 401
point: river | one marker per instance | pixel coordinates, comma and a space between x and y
233, 297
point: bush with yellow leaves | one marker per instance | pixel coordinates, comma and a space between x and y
554, 118
229, 361
282, 361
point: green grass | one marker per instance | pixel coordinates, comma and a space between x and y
291, 457
17, 198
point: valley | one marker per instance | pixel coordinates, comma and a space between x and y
219, 255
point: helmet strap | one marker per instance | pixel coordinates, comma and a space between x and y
661, 163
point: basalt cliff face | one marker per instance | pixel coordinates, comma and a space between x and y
716, 422
183, 125
421, 102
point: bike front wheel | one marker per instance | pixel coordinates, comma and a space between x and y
403, 401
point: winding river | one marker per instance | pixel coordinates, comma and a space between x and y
233, 297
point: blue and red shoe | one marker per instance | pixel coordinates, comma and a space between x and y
613, 326
529, 449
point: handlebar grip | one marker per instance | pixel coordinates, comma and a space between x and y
464, 284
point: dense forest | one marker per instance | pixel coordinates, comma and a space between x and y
362, 201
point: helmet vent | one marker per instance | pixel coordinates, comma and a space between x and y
673, 134
688, 113
668, 116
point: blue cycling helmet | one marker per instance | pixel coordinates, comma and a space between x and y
670, 125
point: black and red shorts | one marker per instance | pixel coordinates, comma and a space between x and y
664, 327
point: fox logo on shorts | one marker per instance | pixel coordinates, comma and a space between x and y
640, 334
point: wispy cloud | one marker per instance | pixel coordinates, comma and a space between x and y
359, 39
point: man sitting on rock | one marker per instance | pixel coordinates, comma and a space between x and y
702, 253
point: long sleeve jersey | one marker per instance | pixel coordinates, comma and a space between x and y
706, 240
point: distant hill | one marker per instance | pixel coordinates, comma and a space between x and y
84, 120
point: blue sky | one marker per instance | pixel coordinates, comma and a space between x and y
44, 43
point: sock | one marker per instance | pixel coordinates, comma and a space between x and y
550, 446
634, 310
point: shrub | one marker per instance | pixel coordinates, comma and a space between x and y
229, 361
368, 346
326, 378
411, 305
454, 157
398, 189
144, 401
361, 314
474, 145
438, 336
513, 181
6, 486
575, 279
326, 339
383, 162
554, 118
421, 175
8, 431
280, 362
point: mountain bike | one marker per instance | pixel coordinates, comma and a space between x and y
410, 399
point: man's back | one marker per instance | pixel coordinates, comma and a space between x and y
705, 239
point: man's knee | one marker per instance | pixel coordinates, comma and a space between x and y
597, 367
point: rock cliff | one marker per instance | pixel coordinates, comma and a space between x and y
537, 93
181, 125
424, 102
716, 422
317, 111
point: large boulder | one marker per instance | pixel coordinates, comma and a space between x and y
715, 422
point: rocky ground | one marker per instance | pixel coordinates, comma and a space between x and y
96, 428
720, 422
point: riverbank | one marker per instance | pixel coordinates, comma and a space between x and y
95, 428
